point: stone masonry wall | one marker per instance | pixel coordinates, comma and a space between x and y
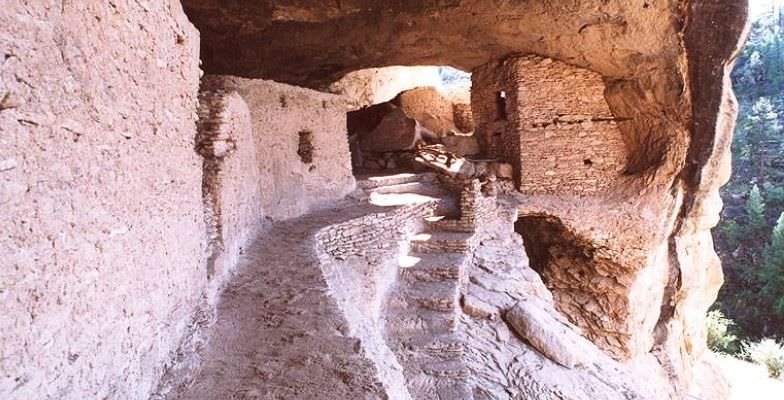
488, 82
282, 116
551, 122
102, 245
568, 139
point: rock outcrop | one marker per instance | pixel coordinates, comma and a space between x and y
124, 221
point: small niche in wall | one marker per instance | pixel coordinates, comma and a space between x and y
587, 162
500, 104
305, 147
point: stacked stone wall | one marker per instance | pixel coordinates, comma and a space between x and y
358, 236
555, 127
568, 139
488, 82
463, 117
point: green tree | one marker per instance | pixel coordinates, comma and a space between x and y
755, 215
773, 269
761, 129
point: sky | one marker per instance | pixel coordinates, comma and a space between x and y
758, 7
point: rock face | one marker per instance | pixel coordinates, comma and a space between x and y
123, 217
377, 85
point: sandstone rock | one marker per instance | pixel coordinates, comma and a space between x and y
559, 341
428, 106
395, 132
478, 308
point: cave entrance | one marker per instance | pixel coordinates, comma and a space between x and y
398, 108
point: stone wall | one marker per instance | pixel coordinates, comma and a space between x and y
360, 262
553, 118
369, 233
103, 247
489, 84
569, 141
464, 120
288, 122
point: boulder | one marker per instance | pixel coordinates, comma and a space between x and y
395, 132
538, 323
461, 145
502, 170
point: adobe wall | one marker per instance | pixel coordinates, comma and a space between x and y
231, 187
289, 184
98, 182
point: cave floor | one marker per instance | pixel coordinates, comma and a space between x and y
279, 333
421, 318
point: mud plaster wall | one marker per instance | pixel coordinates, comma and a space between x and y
232, 193
102, 245
279, 113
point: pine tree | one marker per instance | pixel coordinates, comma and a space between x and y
773, 270
755, 216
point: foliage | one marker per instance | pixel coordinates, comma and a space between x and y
732, 233
750, 239
766, 352
773, 269
719, 337
755, 214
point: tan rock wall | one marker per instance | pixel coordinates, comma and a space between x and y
289, 185
102, 244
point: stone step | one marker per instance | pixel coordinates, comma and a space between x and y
451, 369
433, 267
436, 296
423, 322
441, 223
410, 187
436, 347
437, 242
373, 182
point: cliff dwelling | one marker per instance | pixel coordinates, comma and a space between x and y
277, 200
